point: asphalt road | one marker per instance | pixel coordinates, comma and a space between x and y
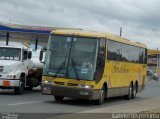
35, 102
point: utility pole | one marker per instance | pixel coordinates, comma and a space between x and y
7, 38
36, 43
120, 31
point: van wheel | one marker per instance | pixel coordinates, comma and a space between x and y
130, 92
19, 90
58, 98
102, 97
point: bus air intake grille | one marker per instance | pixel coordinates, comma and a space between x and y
72, 84
59, 83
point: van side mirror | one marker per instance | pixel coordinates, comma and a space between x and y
29, 54
41, 55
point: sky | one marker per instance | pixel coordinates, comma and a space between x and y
140, 19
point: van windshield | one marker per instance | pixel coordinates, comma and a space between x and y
10, 53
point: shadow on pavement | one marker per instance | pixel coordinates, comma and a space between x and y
86, 103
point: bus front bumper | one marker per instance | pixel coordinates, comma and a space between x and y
72, 92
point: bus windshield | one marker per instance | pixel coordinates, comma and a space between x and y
71, 57
10, 53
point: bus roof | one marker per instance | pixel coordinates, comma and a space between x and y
97, 35
123, 40
79, 33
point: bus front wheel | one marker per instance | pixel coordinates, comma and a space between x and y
102, 97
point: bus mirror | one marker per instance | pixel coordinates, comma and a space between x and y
44, 48
29, 54
41, 55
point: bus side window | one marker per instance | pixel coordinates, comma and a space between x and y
100, 59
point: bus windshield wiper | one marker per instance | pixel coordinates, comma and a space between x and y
75, 68
60, 68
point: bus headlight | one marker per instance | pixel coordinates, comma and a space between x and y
47, 82
86, 86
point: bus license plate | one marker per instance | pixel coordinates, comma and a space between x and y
6, 83
47, 90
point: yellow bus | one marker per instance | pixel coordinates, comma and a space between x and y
93, 66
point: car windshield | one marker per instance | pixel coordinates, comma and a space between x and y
10, 53
71, 57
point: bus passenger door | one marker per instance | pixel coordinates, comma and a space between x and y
100, 60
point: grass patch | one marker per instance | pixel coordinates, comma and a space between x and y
155, 110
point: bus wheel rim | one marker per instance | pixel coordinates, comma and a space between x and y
134, 91
102, 96
130, 91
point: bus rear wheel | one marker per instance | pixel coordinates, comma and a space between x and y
134, 91
130, 92
58, 98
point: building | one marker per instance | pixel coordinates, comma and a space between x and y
35, 36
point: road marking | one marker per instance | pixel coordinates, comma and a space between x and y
23, 103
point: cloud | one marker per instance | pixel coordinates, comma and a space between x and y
139, 18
